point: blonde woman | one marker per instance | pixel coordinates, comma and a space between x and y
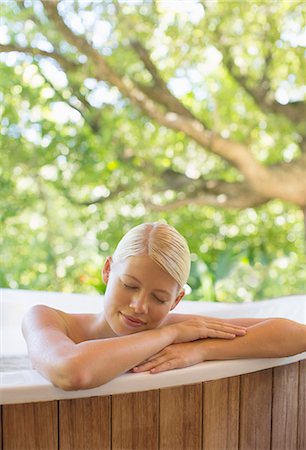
137, 330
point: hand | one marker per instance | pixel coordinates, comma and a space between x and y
200, 328
174, 356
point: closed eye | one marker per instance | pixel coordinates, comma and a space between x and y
128, 286
159, 300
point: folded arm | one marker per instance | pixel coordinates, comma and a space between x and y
240, 321
268, 338
84, 362
74, 365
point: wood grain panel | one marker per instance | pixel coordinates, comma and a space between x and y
30, 426
301, 441
84, 424
221, 414
135, 421
181, 418
285, 407
1, 444
255, 410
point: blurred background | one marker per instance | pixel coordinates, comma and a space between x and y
114, 113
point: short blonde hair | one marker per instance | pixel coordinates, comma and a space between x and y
163, 243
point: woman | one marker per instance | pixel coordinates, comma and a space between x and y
145, 281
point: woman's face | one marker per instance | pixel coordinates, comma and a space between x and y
139, 294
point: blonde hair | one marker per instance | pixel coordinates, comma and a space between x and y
163, 243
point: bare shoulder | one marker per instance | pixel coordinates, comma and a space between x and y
43, 319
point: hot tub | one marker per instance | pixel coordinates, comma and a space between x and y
215, 405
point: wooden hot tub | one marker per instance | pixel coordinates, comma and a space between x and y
216, 405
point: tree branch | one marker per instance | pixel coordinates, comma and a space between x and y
165, 98
98, 200
148, 63
294, 111
59, 94
77, 41
284, 182
38, 52
236, 154
216, 193
159, 92
69, 67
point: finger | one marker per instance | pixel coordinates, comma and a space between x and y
227, 329
233, 332
148, 365
164, 366
240, 332
139, 369
220, 334
153, 357
226, 325
236, 330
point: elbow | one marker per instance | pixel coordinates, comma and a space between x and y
71, 376
74, 382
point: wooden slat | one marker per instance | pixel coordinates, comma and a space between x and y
1, 446
30, 426
285, 407
301, 441
255, 410
135, 421
221, 414
181, 418
84, 424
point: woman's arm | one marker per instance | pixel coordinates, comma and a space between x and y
75, 363
80, 365
267, 339
240, 322
272, 338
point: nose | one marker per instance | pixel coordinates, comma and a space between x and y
139, 303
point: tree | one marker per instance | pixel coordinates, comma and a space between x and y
200, 107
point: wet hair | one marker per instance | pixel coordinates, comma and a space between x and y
163, 243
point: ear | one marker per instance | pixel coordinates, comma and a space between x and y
178, 299
106, 269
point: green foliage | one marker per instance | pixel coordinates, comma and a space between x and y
58, 158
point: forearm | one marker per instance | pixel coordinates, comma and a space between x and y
240, 321
92, 363
267, 339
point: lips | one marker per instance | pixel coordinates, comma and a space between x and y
132, 321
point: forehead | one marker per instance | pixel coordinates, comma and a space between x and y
147, 271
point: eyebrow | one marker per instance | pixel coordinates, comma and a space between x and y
136, 279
